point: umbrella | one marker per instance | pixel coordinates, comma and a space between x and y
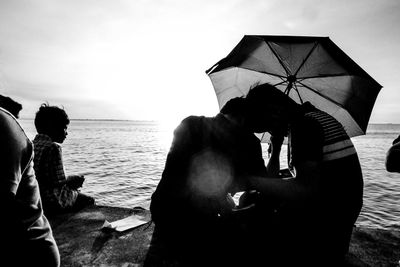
306, 68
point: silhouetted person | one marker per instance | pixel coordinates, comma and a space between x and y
392, 162
26, 238
192, 205
318, 207
59, 192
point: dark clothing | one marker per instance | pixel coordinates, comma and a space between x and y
27, 236
314, 227
57, 195
49, 169
207, 156
325, 222
392, 160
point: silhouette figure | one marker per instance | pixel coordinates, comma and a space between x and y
60, 193
27, 236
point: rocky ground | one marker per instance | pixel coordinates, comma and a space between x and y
82, 242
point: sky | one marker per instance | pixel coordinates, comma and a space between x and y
146, 59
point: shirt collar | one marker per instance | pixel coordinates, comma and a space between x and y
43, 137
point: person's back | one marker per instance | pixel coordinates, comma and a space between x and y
318, 206
205, 156
334, 210
190, 202
27, 236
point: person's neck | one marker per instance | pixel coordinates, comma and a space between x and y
236, 121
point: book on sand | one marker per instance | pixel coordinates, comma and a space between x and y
124, 224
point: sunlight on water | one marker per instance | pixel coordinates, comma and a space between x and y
123, 162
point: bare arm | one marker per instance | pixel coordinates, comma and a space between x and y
300, 188
273, 165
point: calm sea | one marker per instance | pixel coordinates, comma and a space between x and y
123, 161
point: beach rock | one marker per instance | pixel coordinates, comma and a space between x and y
82, 242
374, 247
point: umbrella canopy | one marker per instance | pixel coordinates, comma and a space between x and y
306, 68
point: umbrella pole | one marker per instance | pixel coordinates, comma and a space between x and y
292, 81
288, 88
298, 94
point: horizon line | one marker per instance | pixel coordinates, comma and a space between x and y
155, 120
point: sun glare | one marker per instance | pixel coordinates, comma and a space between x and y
166, 128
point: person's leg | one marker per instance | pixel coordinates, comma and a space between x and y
83, 201
42, 252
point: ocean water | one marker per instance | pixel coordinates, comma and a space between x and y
123, 162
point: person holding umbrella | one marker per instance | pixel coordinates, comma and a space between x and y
319, 205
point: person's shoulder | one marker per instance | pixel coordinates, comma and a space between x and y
10, 125
393, 158
6, 120
44, 140
54, 147
193, 121
43, 143
307, 123
191, 125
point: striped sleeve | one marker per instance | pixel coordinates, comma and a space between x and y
336, 143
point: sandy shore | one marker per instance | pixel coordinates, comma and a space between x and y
82, 242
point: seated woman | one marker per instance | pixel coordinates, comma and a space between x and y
393, 156
59, 192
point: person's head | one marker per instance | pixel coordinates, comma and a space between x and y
269, 110
10, 105
235, 106
52, 121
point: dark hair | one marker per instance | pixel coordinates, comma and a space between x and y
10, 105
264, 94
235, 106
50, 117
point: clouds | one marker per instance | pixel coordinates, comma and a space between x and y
137, 55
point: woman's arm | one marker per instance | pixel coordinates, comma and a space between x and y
273, 166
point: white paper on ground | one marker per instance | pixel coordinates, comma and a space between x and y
125, 224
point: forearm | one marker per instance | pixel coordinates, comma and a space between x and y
281, 189
273, 165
